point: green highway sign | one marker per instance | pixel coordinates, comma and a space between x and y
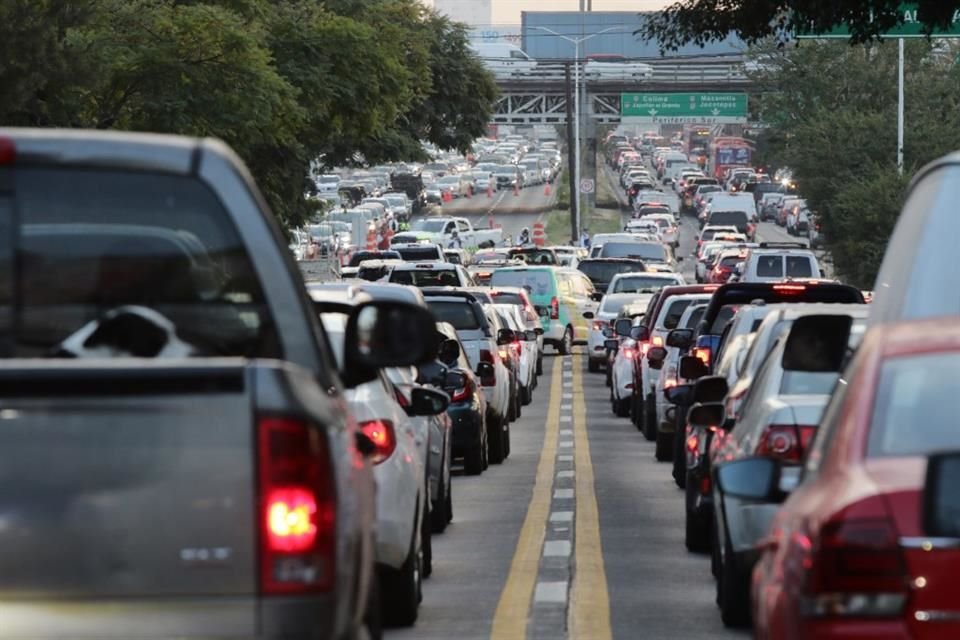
910, 27
683, 108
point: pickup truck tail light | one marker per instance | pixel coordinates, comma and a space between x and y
855, 569
382, 434
298, 502
785, 441
464, 393
554, 308
487, 356
703, 353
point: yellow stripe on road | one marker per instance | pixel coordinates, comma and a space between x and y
510, 619
589, 612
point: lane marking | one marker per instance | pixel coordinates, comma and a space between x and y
561, 516
563, 494
564, 458
565, 474
588, 617
556, 548
510, 617
566, 444
566, 419
566, 432
549, 592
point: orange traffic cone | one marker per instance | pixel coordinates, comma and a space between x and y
546, 189
447, 196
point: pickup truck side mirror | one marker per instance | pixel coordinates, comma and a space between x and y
640, 333
486, 372
656, 356
530, 335
596, 296
611, 344
588, 315
705, 415
710, 389
939, 499
506, 336
751, 479
383, 334
682, 394
680, 338
622, 327
449, 351
427, 402
692, 368
454, 380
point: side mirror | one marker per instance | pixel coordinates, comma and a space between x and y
596, 296
640, 333
680, 338
383, 334
941, 503
612, 344
710, 389
530, 335
588, 315
455, 380
622, 327
506, 336
750, 479
692, 368
427, 402
705, 415
738, 270
538, 331
656, 356
485, 370
681, 394
817, 343
543, 312
449, 351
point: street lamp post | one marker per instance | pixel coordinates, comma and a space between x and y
575, 178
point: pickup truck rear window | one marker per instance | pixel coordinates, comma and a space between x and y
416, 254
641, 250
86, 242
462, 315
426, 278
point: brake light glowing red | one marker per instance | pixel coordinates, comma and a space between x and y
463, 394
629, 353
786, 442
693, 443
703, 353
554, 308
487, 356
381, 433
789, 288
297, 506
657, 341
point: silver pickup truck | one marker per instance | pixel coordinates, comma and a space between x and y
175, 456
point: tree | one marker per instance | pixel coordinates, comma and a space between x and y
701, 21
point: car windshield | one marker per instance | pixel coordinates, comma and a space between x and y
429, 226
642, 250
425, 277
335, 326
537, 281
615, 305
360, 256
158, 241
534, 256
462, 315
603, 272
912, 414
415, 254
632, 284
738, 219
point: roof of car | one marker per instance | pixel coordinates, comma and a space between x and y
425, 264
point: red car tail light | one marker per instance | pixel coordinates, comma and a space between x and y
703, 353
629, 353
599, 325
856, 569
554, 308
298, 505
785, 441
464, 394
383, 436
487, 356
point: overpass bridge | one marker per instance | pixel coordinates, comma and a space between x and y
540, 97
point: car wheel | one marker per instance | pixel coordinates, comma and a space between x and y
622, 408
448, 506
649, 423
540, 366
679, 454
506, 442
734, 592
526, 395
495, 453
438, 516
473, 460
565, 347
401, 590
696, 534
664, 450
426, 542
593, 366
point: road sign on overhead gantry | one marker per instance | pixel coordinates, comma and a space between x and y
683, 108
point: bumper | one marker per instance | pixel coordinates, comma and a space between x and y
467, 428
595, 348
553, 332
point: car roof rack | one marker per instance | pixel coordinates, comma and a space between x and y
783, 245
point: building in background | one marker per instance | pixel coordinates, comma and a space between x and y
540, 44
472, 12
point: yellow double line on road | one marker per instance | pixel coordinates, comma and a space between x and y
589, 611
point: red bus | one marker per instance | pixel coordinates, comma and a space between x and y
729, 152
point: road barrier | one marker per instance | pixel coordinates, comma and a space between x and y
538, 234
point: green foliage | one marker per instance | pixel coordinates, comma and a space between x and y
701, 21
833, 113
283, 82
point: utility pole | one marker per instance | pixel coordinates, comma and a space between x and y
571, 158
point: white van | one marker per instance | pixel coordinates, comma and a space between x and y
504, 59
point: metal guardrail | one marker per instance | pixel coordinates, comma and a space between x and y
687, 72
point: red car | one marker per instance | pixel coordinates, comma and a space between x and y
847, 555
724, 266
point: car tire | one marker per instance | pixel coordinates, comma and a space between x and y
372, 620
495, 453
473, 460
649, 425
439, 516
733, 592
426, 544
696, 534
540, 366
664, 448
448, 504
401, 590
621, 408
679, 455
593, 366
526, 395
506, 443
565, 346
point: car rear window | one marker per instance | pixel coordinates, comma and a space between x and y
414, 254
615, 305
807, 383
912, 413
633, 284
799, 267
731, 261
537, 281
425, 277
674, 311
770, 266
695, 316
360, 256
464, 316
739, 219
605, 271
85, 242
642, 250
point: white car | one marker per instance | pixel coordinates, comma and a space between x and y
430, 274
642, 281
400, 475
621, 377
610, 307
509, 314
667, 226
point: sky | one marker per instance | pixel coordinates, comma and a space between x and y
508, 11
